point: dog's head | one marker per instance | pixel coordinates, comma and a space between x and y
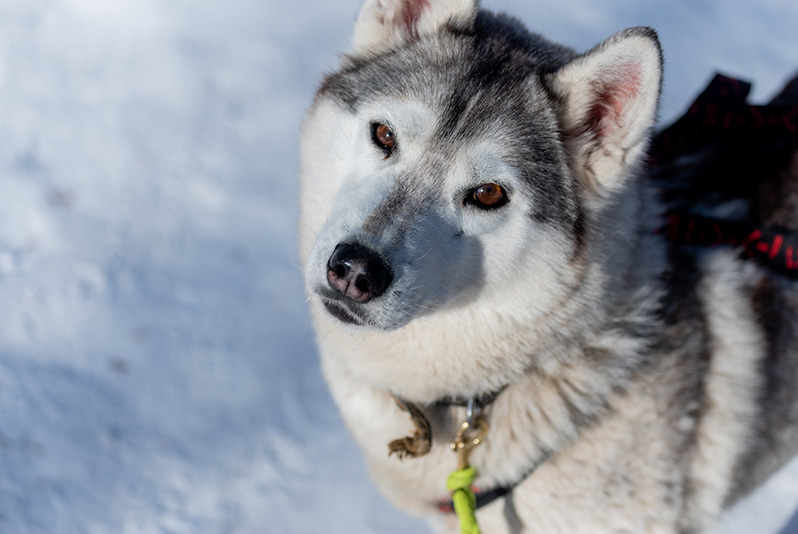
455, 159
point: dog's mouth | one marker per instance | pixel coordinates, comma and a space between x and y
341, 311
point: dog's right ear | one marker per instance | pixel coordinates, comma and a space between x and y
383, 24
607, 101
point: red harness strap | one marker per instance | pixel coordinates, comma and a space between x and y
716, 153
776, 249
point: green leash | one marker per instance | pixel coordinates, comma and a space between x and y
459, 482
465, 502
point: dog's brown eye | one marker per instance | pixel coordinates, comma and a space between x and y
383, 137
489, 196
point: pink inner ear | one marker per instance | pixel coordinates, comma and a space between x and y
613, 92
411, 13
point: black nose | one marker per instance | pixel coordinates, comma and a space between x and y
357, 272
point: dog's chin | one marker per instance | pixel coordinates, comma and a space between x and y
342, 313
359, 316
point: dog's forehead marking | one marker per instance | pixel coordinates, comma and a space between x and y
497, 51
412, 193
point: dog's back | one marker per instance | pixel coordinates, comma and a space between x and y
730, 170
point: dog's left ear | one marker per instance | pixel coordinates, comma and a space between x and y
608, 101
383, 24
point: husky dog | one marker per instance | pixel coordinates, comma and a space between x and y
475, 227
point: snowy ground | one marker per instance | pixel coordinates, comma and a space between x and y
157, 369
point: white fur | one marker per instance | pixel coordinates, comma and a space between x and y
732, 386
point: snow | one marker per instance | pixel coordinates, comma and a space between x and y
157, 367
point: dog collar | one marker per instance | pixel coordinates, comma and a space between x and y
481, 401
483, 498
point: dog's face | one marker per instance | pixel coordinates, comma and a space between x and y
453, 160
431, 197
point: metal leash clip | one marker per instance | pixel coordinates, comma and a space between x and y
471, 433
